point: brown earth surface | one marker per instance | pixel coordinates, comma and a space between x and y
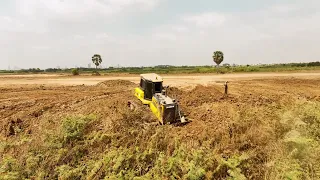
32, 106
171, 80
28, 106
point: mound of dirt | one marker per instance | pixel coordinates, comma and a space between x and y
112, 83
200, 95
174, 91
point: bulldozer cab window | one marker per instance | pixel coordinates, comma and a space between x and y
148, 90
142, 84
158, 87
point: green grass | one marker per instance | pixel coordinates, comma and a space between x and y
183, 69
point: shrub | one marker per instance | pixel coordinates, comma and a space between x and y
9, 169
75, 72
67, 172
232, 164
73, 127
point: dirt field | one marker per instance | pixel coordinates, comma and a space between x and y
32, 106
30, 99
172, 80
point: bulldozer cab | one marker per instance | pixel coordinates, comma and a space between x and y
150, 84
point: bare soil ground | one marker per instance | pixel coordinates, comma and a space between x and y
30, 105
172, 80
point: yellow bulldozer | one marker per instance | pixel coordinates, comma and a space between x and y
151, 92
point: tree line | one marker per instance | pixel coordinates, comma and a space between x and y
96, 59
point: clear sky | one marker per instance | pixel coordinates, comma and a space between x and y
66, 33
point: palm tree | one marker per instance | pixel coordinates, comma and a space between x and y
218, 57
97, 60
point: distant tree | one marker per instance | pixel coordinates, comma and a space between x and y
218, 57
97, 60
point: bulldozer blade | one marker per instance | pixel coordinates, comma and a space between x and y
183, 120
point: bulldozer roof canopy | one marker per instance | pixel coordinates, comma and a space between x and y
152, 77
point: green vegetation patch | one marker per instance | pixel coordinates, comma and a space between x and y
165, 69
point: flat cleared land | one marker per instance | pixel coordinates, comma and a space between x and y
174, 80
252, 119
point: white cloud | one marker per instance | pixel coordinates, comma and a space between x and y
77, 36
284, 8
62, 15
279, 33
206, 19
37, 48
10, 24
66, 33
180, 28
126, 3
69, 17
164, 36
102, 36
79, 8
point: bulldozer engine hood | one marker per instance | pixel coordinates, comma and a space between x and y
164, 100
